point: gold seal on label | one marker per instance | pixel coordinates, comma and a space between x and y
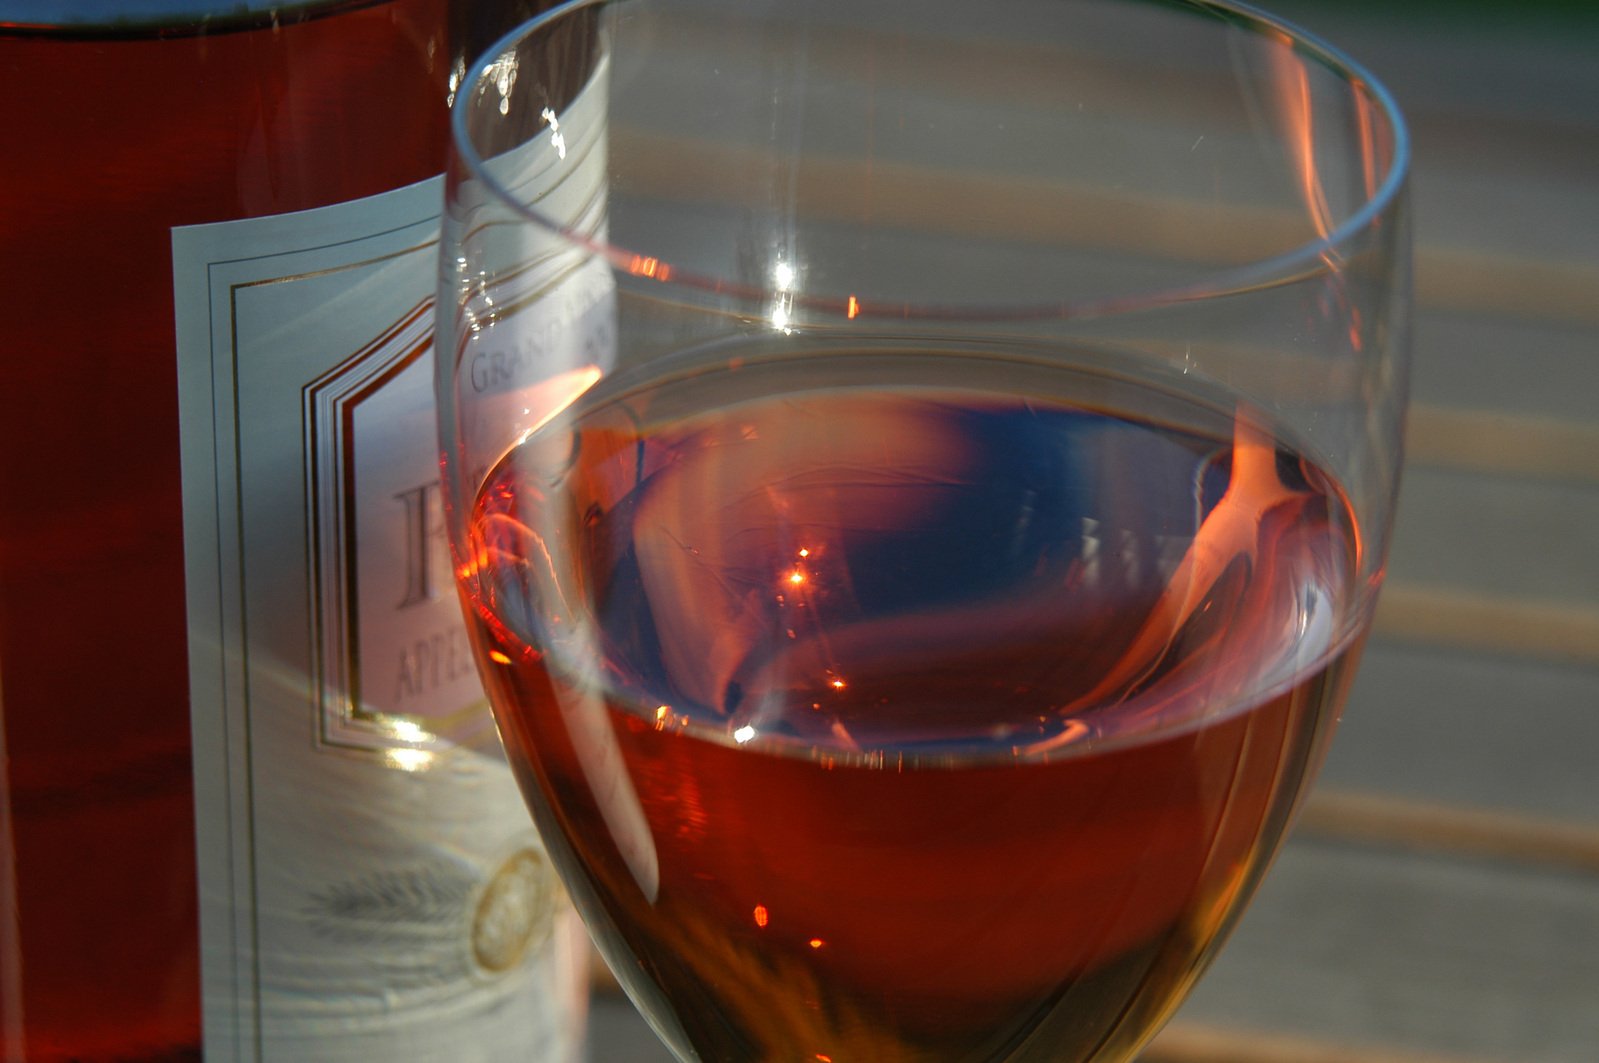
515, 912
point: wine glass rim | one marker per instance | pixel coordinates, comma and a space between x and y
1295, 262
170, 18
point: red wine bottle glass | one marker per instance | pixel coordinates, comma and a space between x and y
919, 477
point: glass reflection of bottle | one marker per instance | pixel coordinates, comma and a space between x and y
122, 705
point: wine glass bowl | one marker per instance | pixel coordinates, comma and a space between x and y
919, 477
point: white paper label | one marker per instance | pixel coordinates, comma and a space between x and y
371, 887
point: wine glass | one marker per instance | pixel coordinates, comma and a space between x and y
919, 475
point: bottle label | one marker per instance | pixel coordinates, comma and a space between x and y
393, 665
370, 883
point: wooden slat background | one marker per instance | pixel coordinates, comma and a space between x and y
1439, 902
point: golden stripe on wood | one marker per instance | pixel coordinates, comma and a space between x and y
1503, 444
1493, 282
1547, 631
1431, 827
1190, 1043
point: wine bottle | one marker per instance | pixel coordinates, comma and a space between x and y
251, 806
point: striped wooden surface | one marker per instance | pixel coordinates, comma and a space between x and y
1439, 902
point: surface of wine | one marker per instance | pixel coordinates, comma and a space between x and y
952, 719
112, 141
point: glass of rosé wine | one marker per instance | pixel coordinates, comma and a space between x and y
919, 476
